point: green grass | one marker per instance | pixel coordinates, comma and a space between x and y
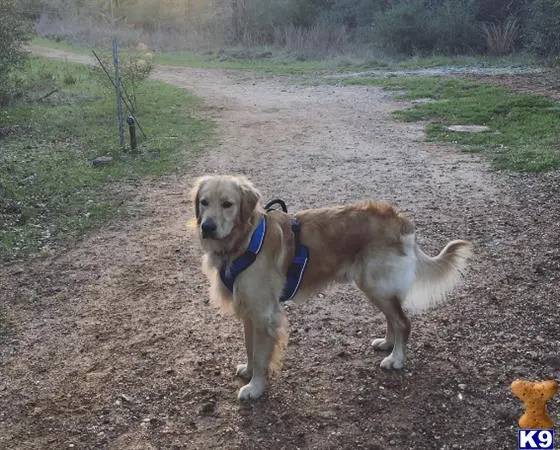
49, 190
524, 128
5, 325
59, 45
235, 59
276, 63
282, 62
427, 62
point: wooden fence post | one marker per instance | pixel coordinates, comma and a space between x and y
118, 89
132, 130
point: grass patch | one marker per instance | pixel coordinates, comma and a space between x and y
6, 326
524, 128
261, 60
272, 60
49, 189
285, 62
267, 62
427, 62
59, 45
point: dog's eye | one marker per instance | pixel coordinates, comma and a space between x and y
227, 204
204, 202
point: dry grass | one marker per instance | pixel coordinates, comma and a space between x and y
501, 37
318, 40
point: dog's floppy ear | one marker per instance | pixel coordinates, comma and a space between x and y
250, 196
194, 195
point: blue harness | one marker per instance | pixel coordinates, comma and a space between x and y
295, 271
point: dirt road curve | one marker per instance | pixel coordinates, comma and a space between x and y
115, 345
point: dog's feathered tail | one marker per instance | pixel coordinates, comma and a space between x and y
437, 276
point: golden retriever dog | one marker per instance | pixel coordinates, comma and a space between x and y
367, 243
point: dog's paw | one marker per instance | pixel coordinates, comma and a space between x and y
242, 372
390, 362
381, 344
251, 391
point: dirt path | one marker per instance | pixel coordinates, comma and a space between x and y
115, 346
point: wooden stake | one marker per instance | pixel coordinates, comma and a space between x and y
118, 89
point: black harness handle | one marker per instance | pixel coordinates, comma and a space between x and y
301, 253
269, 206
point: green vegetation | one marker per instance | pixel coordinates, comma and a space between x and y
60, 45
63, 116
280, 63
15, 31
5, 325
262, 60
466, 61
310, 29
524, 128
272, 60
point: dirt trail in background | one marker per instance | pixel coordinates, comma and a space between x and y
115, 346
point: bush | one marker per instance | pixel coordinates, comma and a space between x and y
500, 38
423, 27
500, 11
350, 13
543, 28
15, 32
134, 69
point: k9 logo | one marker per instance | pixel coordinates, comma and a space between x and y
535, 439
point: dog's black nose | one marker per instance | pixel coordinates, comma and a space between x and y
208, 228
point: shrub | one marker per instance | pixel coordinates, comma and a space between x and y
501, 37
423, 26
543, 28
456, 28
134, 68
320, 39
15, 32
500, 11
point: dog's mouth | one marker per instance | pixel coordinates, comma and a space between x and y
212, 236
209, 235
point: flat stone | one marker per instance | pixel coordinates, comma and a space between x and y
422, 101
32, 179
553, 361
102, 160
468, 128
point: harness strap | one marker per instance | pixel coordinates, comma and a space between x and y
298, 265
230, 272
269, 206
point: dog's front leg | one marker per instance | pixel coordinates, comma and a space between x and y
264, 338
245, 371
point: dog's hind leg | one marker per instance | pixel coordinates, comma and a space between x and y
265, 334
398, 326
387, 342
245, 371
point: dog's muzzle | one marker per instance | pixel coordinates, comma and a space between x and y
208, 228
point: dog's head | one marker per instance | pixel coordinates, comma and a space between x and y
224, 206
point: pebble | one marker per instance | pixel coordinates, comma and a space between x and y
102, 160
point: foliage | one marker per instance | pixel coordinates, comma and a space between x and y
402, 26
501, 37
134, 68
543, 27
15, 32
419, 27
49, 190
